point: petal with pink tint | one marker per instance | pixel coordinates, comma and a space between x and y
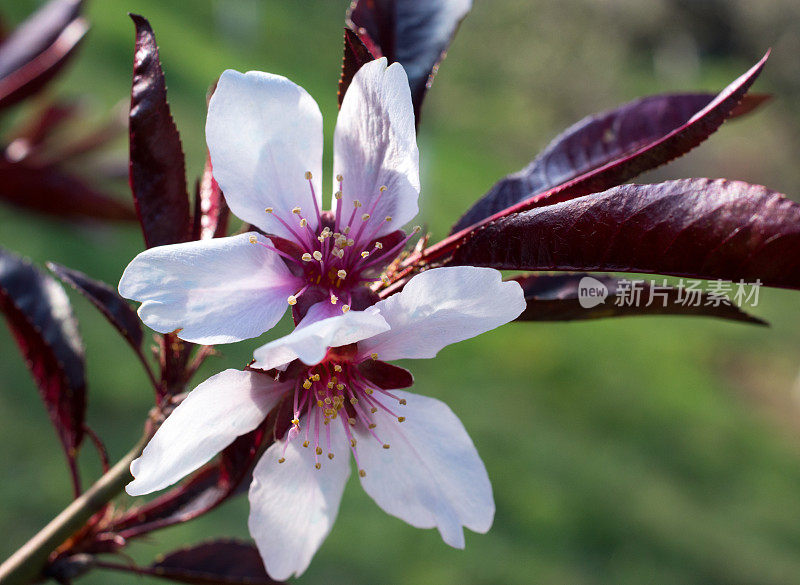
375, 145
431, 475
220, 409
443, 306
264, 132
293, 505
215, 291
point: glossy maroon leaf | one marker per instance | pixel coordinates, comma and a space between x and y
356, 54
47, 189
607, 149
386, 376
211, 212
413, 33
157, 169
697, 228
36, 73
113, 307
556, 298
40, 317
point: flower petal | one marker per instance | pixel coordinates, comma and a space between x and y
215, 291
293, 505
432, 475
311, 339
442, 306
375, 145
263, 133
209, 419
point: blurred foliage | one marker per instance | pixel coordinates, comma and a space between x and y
658, 450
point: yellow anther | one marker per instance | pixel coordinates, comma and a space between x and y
386, 445
306, 257
339, 178
327, 400
401, 419
317, 465
342, 274
281, 460
350, 242
382, 189
388, 218
296, 210
319, 450
373, 355
317, 255
334, 299
378, 246
365, 217
346, 229
354, 400
362, 473
305, 443
364, 254
384, 279
309, 176
319, 403
372, 425
321, 238
307, 384
368, 391
345, 308
340, 387
356, 203
292, 300
268, 210
330, 455
416, 229
353, 442
337, 368
252, 239
352, 421
303, 222
338, 195
373, 410
330, 385
296, 421
315, 377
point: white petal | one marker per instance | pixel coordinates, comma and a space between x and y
264, 132
442, 306
375, 145
216, 291
293, 505
220, 409
311, 339
431, 475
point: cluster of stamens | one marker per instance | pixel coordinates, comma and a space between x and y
335, 392
339, 259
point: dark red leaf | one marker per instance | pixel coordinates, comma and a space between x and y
697, 228
37, 34
356, 54
35, 74
386, 376
40, 317
607, 149
211, 212
556, 298
157, 169
415, 34
47, 189
35, 130
113, 307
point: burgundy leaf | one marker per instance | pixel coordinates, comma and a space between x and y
37, 34
211, 212
356, 54
43, 123
35, 74
556, 298
40, 317
47, 189
157, 169
697, 228
413, 33
113, 307
607, 149
386, 376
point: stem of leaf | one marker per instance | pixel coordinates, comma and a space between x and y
26, 565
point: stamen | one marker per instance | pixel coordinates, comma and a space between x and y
296, 210
342, 274
373, 355
306, 257
253, 239
345, 308
365, 217
317, 255
292, 300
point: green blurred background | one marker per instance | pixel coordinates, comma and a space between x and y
653, 450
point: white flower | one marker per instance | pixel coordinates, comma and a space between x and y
413, 455
264, 136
